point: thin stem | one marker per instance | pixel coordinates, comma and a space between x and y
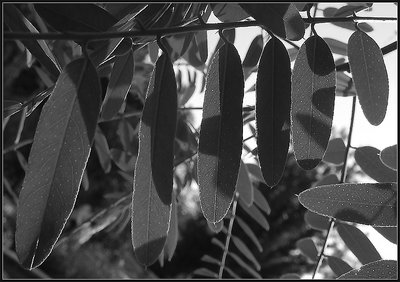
17, 146
20, 126
342, 180
166, 31
228, 237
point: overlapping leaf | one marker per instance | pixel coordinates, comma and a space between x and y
221, 134
244, 186
335, 152
216, 227
368, 203
313, 99
172, 239
255, 214
388, 157
247, 230
382, 269
308, 248
390, 233
102, 149
119, 85
282, 19
316, 221
252, 56
358, 243
367, 158
153, 178
370, 76
228, 12
273, 90
338, 266
57, 160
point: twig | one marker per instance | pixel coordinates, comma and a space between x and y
342, 180
17, 146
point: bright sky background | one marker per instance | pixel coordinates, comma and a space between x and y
364, 134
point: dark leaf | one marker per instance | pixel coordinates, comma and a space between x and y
231, 272
124, 160
338, 266
255, 171
173, 234
216, 227
337, 46
388, 157
367, 203
367, 158
208, 259
316, 221
255, 214
221, 134
261, 202
308, 248
119, 85
244, 186
378, 270
313, 100
241, 263
11, 107
247, 230
390, 233
205, 272
57, 160
153, 177
358, 243
252, 56
348, 10
335, 152
127, 134
120, 10
16, 21
273, 90
228, 12
103, 151
370, 76
282, 19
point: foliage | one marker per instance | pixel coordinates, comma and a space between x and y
105, 85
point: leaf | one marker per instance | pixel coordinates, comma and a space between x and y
344, 85
255, 170
221, 134
329, 179
244, 186
282, 19
338, 266
228, 12
273, 110
316, 221
367, 158
173, 233
388, 157
153, 51
11, 107
313, 100
358, 243
57, 160
261, 202
67, 17
16, 21
252, 56
390, 233
216, 227
102, 149
290, 276
119, 85
383, 269
231, 272
336, 46
124, 160
348, 10
367, 203
120, 10
241, 263
218, 243
336, 151
153, 177
308, 248
255, 214
127, 134
208, 259
330, 12
247, 230
245, 251
370, 76
292, 53
205, 272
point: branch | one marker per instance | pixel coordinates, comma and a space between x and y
385, 50
87, 36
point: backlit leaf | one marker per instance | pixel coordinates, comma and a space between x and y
208, 259
335, 152
247, 230
102, 149
127, 134
221, 133
370, 76
255, 214
378, 270
282, 19
245, 251
261, 201
205, 272
390, 233
255, 171
243, 264
119, 85
216, 227
367, 203
358, 243
388, 157
228, 12
172, 239
57, 160
316, 221
16, 21
308, 248
273, 110
231, 272
153, 177
367, 158
338, 266
313, 100
244, 186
